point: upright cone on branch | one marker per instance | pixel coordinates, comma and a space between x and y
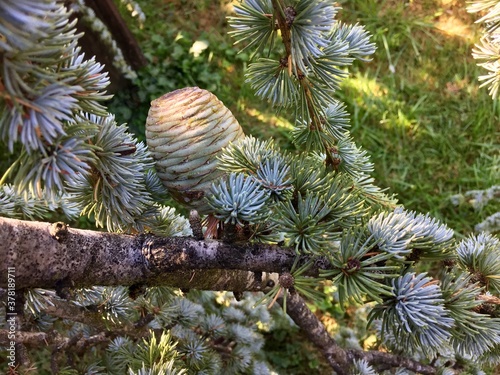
185, 131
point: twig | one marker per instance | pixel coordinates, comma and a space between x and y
61, 343
338, 358
489, 299
66, 310
317, 334
284, 25
86, 258
382, 360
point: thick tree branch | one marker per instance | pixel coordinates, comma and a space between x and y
52, 256
45, 255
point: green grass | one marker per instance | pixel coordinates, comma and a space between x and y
431, 131
417, 107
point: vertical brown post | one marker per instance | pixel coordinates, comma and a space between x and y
108, 13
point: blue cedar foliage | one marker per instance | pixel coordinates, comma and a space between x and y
321, 200
239, 199
372, 262
486, 51
415, 316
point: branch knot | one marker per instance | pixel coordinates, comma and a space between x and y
59, 231
290, 14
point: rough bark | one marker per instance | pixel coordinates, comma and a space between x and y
53, 256
337, 357
317, 333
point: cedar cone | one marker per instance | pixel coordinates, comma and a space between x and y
185, 131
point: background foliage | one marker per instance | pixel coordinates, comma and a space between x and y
417, 107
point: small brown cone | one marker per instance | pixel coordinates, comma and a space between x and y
185, 131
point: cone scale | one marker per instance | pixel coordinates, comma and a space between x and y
185, 131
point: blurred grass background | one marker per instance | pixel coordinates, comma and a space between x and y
417, 107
